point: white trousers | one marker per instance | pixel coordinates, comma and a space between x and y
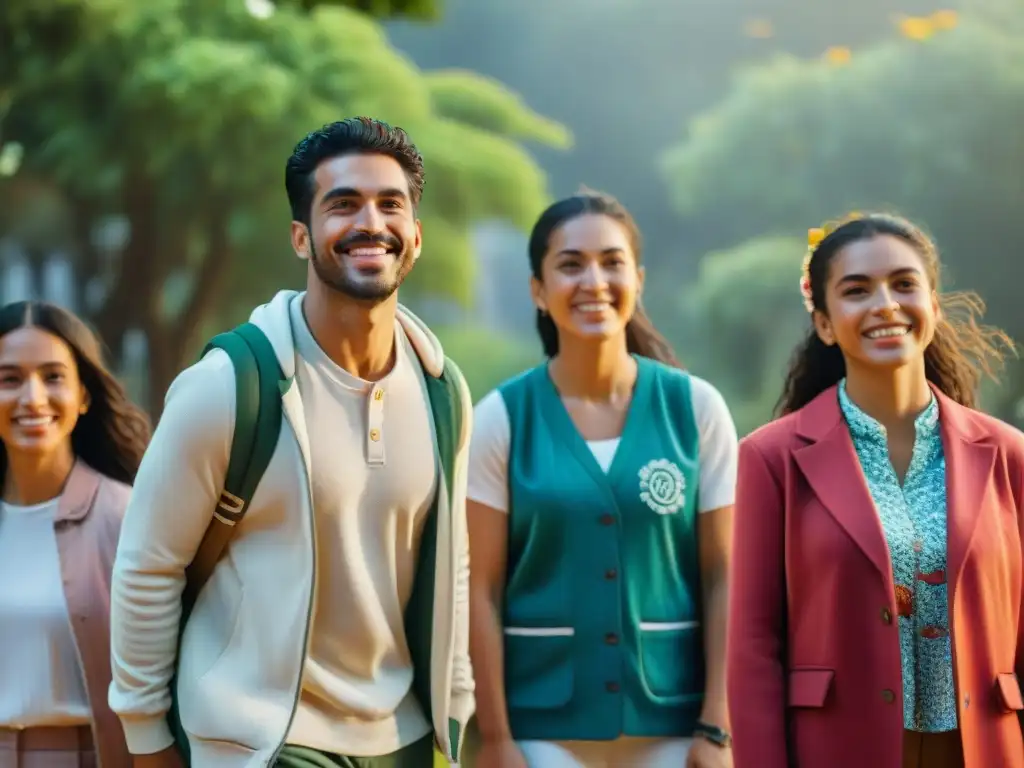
624, 752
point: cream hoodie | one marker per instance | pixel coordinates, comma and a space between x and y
244, 647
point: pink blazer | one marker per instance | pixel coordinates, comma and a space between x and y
88, 525
813, 657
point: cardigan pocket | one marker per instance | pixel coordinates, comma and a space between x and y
672, 661
809, 687
539, 671
1008, 688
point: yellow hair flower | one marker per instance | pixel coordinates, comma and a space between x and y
815, 236
838, 55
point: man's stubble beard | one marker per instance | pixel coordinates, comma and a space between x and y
336, 277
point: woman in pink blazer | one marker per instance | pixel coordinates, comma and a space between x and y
875, 617
70, 445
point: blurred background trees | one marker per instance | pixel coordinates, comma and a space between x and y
729, 127
145, 143
924, 124
154, 137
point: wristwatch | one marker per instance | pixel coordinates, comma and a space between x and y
712, 733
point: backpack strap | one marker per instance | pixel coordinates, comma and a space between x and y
445, 394
259, 384
258, 377
447, 408
446, 402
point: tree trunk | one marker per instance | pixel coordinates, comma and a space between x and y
171, 346
135, 298
164, 362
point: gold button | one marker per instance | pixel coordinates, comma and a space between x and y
378, 395
886, 616
888, 696
375, 435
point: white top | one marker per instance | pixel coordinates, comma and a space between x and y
718, 449
41, 680
374, 476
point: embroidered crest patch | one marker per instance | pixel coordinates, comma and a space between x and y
662, 486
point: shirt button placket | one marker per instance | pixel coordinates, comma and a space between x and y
375, 427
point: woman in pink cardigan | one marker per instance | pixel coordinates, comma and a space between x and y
72, 443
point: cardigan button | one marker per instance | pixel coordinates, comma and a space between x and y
888, 696
886, 616
607, 520
611, 574
611, 638
612, 687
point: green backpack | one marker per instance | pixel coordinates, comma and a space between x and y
259, 384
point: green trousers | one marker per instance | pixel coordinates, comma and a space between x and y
417, 755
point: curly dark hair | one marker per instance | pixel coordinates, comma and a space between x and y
960, 353
642, 338
356, 135
113, 434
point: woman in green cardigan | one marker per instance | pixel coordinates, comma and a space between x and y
600, 495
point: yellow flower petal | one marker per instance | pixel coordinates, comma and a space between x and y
838, 55
945, 19
916, 28
815, 236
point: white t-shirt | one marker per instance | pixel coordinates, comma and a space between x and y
718, 449
41, 681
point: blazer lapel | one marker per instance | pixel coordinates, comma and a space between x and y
830, 464
969, 463
79, 492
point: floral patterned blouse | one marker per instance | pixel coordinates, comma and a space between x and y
913, 518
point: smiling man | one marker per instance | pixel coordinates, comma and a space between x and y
333, 632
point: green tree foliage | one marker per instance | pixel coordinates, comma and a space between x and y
428, 10
740, 318
177, 116
485, 357
930, 129
625, 74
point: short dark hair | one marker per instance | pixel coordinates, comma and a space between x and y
356, 135
963, 349
113, 434
642, 338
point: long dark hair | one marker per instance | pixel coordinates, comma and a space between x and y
642, 338
961, 351
113, 434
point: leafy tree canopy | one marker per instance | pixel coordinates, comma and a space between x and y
177, 116
740, 319
928, 128
485, 357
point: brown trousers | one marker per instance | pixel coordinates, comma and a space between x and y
56, 747
932, 750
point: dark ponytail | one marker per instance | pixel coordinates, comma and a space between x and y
642, 338
959, 354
